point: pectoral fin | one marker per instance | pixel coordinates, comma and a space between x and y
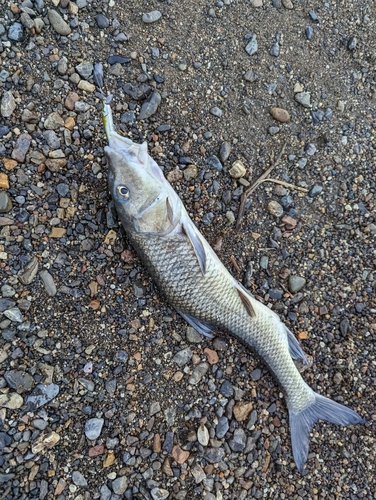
143, 153
170, 213
197, 245
245, 297
201, 326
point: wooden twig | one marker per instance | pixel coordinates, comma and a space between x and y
5, 493
254, 186
235, 264
286, 184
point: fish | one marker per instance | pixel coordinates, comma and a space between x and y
195, 282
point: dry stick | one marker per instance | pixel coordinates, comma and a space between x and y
5, 493
254, 186
286, 184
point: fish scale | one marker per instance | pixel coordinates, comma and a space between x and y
195, 282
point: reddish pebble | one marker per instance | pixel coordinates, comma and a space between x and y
211, 355
289, 220
97, 450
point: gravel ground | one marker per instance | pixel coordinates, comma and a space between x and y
104, 390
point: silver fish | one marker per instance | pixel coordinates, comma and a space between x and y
196, 283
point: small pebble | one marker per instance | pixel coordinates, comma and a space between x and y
352, 42
150, 106
237, 169
216, 112
252, 46
16, 32
58, 23
310, 149
315, 190
151, 17
8, 104
79, 479
275, 208
303, 98
119, 485
251, 76
5, 202
102, 21
313, 16
274, 51
273, 130
214, 163
225, 151
309, 32
288, 4
296, 283
48, 282
280, 114
93, 428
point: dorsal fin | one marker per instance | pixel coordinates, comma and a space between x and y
197, 245
246, 300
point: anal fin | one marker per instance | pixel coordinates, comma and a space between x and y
201, 326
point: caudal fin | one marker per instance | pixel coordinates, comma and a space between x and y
301, 423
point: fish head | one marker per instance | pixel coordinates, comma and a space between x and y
144, 200
138, 188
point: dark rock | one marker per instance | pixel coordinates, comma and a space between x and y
352, 42
41, 395
256, 374
213, 455
275, 294
139, 92
309, 32
222, 427
238, 442
19, 380
226, 389
102, 21
128, 117
6, 304
118, 59
16, 32
274, 51
213, 162
5, 440
22, 147
168, 442
344, 326
315, 191
252, 46
225, 151
150, 106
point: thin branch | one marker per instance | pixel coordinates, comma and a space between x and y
286, 184
255, 185
235, 264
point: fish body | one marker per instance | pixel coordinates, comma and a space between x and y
196, 283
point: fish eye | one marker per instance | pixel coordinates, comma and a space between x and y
123, 191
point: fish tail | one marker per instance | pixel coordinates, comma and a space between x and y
301, 423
